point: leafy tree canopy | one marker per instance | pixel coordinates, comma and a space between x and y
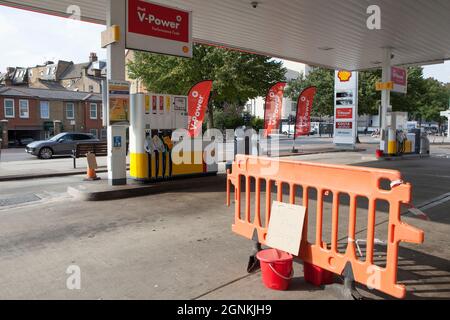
237, 76
424, 100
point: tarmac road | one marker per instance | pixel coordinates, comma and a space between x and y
180, 246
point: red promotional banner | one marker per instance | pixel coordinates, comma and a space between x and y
304, 108
197, 105
273, 108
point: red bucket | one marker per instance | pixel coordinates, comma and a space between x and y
316, 275
276, 268
379, 153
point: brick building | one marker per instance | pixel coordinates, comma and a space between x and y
82, 77
30, 113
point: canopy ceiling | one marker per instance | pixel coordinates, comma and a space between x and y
330, 33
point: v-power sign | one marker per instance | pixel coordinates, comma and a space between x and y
160, 29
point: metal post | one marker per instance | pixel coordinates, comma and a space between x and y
116, 15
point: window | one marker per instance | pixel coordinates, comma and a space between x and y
93, 111
45, 110
70, 110
104, 134
24, 109
9, 108
66, 137
94, 132
81, 137
91, 88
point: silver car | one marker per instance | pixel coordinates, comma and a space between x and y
60, 145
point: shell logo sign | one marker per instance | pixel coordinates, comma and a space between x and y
344, 76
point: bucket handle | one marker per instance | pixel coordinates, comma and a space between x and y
280, 275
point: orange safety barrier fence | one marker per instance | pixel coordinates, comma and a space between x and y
337, 179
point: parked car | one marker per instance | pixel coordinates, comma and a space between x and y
20, 142
25, 141
289, 130
61, 144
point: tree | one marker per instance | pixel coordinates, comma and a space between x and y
368, 98
435, 100
424, 100
321, 78
237, 76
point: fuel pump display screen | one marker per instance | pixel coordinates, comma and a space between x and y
180, 104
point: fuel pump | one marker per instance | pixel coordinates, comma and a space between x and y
153, 121
398, 140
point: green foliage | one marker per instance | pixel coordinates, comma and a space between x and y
237, 76
228, 118
321, 78
436, 99
368, 98
424, 101
257, 124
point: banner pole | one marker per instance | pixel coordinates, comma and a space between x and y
295, 127
293, 146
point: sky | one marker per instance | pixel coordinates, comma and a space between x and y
29, 39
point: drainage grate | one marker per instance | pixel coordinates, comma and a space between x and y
12, 200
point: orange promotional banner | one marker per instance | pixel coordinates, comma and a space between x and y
197, 105
304, 108
273, 108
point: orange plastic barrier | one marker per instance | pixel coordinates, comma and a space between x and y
353, 181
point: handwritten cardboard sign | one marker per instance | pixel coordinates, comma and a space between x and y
286, 227
92, 161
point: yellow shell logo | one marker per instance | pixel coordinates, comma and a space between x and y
344, 76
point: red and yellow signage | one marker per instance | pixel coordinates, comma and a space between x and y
384, 86
273, 108
119, 102
158, 28
304, 108
197, 105
344, 113
344, 76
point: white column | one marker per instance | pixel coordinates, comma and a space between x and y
386, 94
116, 15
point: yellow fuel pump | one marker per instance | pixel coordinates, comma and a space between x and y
154, 119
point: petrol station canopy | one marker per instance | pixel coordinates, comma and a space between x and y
329, 33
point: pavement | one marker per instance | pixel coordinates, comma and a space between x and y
179, 244
15, 164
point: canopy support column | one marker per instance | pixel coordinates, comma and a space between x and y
385, 98
386, 94
117, 166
